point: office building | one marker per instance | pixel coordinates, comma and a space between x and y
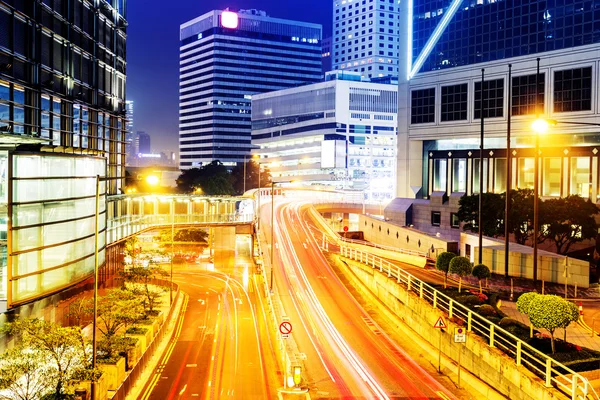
366, 36
443, 54
226, 58
340, 133
129, 134
143, 143
326, 54
62, 122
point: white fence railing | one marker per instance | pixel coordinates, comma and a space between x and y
553, 373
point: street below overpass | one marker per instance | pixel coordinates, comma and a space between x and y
221, 348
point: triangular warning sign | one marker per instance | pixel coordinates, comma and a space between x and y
440, 323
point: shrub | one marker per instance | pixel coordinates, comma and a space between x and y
460, 266
507, 322
487, 311
442, 263
480, 272
470, 301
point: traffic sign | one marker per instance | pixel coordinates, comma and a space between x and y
460, 335
440, 323
285, 328
346, 228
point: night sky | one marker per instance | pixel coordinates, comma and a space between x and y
153, 54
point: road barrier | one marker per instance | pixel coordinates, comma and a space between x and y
552, 373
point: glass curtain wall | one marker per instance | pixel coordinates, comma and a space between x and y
52, 215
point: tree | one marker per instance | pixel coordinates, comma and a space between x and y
520, 222
567, 221
493, 204
573, 316
549, 312
183, 239
460, 266
523, 303
480, 272
119, 309
66, 354
443, 262
252, 171
140, 278
24, 374
211, 179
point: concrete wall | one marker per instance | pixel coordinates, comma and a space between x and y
551, 266
487, 363
390, 234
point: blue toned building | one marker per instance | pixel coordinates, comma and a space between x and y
224, 59
442, 53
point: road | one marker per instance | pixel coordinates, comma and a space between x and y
218, 343
347, 354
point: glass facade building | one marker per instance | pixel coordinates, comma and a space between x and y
488, 30
448, 44
224, 59
62, 122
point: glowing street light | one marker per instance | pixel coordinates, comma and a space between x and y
152, 180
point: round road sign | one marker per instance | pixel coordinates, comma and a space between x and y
285, 328
345, 228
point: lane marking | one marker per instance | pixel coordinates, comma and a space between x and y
191, 365
183, 390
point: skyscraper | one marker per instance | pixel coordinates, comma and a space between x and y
225, 58
326, 54
62, 122
142, 143
129, 134
366, 37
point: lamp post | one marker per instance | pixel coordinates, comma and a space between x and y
272, 233
244, 173
96, 262
508, 174
480, 212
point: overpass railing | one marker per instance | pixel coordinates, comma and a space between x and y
552, 372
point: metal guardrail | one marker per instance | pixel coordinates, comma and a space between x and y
552, 372
382, 247
122, 227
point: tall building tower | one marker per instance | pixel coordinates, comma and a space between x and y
142, 143
129, 134
366, 37
225, 58
62, 123
326, 54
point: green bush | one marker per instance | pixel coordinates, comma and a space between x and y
136, 330
507, 322
469, 301
487, 311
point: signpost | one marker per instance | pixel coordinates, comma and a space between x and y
285, 328
440, 324
460, 336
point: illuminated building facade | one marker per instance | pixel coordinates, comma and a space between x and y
447, 45
225, 58
366, 37
340, 133
62, 122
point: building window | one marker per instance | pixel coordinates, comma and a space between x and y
454, 102
573, 90
439, 175
499, 175
422, 105
523, 95
493, 106
580, 176
454, 221
436, 218
551, 176
476, 175
525, 175
459, 175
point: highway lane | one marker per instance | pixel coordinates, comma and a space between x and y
354, 357
218, 349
